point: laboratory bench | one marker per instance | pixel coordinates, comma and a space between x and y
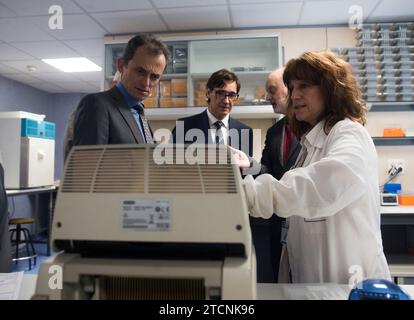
265, 291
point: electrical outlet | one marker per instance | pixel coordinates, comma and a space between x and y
396, 163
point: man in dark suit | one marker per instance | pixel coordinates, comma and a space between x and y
214, 125
5, 249
117, 116
278, 156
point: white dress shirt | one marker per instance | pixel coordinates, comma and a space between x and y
333, 207
224, 129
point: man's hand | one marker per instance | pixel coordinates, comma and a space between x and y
240, 158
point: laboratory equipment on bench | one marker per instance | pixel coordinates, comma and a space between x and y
130, 225
389, 199
378, 289
27, 146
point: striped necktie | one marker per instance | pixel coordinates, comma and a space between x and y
219, 133
144, 122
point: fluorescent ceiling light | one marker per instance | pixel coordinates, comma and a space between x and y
73, 64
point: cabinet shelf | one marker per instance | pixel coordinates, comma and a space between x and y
173, 75
404, 141
391, 106
238, 112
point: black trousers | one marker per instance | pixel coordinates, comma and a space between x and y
266, 240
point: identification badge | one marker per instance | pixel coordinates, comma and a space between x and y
146, 214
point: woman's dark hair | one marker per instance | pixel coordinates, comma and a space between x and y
338, 85
153, 46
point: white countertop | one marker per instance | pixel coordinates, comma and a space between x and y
265, 291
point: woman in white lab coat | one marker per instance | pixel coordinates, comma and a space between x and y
331, 198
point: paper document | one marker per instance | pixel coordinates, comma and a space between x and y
10, 284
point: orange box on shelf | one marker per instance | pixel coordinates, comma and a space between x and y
165, 88
200, 102
406, 199
165, 102
173, 102
179, 102
150, 103
393, 133
179, 87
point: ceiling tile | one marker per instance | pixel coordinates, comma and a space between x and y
393, 11
97, 60
46, 49
21, 77
21, 29
88, 76
78, 86
40, 7
256, 1
186, 3
6, 13
131, 21
111, 5
75, 26
48, 87
7, 69
21, 65
335, 12
266, 15
196, 18
87, 48
58, 76
10, 53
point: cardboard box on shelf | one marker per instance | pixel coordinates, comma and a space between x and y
173, 102
393, 132
199, 94
179, 87
200, 102
200, 85
165, 88
151, 103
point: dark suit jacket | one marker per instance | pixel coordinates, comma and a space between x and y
243, 140
266, 232
105, 118
271, 156
5, 249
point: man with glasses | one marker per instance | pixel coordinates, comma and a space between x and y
215, 123
117, 116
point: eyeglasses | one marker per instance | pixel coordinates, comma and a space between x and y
221, 94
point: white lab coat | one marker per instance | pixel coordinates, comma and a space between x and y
336, 187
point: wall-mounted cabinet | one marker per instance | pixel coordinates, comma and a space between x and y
194, 59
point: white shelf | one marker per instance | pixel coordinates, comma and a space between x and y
397, 209
238, 112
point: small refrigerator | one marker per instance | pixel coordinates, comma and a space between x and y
27, 150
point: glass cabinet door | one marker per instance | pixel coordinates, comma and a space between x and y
251, 59
193, 60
